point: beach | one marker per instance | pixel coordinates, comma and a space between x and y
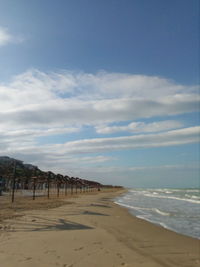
90, 230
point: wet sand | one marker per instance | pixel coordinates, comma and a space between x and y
90, 230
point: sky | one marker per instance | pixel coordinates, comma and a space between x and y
104, 90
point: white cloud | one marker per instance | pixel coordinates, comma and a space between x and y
38, 132
37, 99
139, 127
6, 37
98, 145
121, 169
27, 137
170, 138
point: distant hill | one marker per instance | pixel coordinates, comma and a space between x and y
7, 166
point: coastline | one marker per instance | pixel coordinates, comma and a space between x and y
174, 209
91, 230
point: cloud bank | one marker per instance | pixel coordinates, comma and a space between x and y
36, 99
36, 104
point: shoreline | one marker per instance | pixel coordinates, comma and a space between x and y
92, 231
155, 221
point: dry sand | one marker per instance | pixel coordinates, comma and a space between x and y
89, 231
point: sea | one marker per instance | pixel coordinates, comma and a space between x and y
174, 209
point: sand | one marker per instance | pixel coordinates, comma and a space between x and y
89, 230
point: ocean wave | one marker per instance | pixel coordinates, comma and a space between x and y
196, 197
153, 221
193, 190
142, 209
124, 205
161, 212
177, 211
193, 197
172, 197
127, 197
176, 192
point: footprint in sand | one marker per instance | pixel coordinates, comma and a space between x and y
28, 258
97, 243
49, 251
7, 227
76, 249
119, 255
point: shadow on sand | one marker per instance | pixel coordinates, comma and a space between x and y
94, 213
100, 205
39, 224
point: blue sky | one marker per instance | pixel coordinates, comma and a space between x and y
104, 90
